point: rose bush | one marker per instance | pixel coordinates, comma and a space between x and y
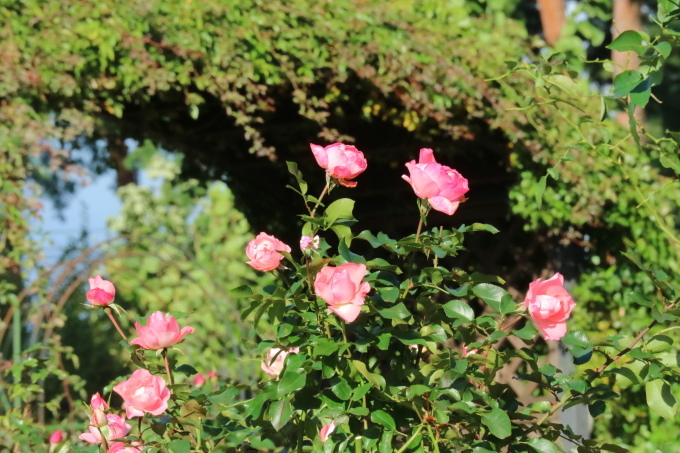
415, 372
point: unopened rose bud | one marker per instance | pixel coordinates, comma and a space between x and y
56, 437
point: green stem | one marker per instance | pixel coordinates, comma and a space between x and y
433, 439
164, 353
357, 445
16, 345
408, 442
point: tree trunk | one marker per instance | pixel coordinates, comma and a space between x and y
627, 15
552, 19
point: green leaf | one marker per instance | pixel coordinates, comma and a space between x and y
339, 209
629, 40
293, 170
626, 82
542, 445
399, 311
491, 294
659, 343
323, 346
576, 338
280, 412
179, 446
660, 399
640, 94
484, 227
498, 423
664, 48
597, 408
383, 418
528, 332
341, 388
374, 379
290, 382
187, 370
457, 309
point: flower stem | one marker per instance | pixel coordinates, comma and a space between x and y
408, 442
323, 194
115, 323
164, 353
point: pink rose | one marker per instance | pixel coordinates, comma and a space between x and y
56, 437
276, 357
549, 305
161, 331
143, 392
464, 351
97, 402
122, 447
115, 429
307, 242
342, 289
199, 380
343, 162
263, 253
101, 291
443, 187
326, 431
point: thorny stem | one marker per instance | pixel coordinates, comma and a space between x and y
115, 323
598, 372
164, 353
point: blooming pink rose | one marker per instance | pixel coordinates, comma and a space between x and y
276, 357
263, 253
115, 429
326, 431
161, 331
56, 437
122, 447
342, 289
143, 392
443, 187
101, 291
549, 305
343, 162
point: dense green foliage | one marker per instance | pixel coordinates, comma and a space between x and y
240, 86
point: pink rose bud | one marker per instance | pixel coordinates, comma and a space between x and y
97, 402
115, 429
199, 380
443, 187
98, 418
549, 305
276, 357
56, 437
161, 331
101, 291
326, 431
342, 289
143, 392
211, 374
340, 161
263, 252
307, 242
122, 447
